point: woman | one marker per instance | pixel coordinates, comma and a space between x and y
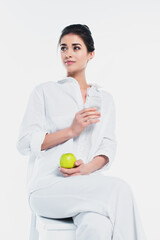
72, 116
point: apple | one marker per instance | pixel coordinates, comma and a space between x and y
67, 160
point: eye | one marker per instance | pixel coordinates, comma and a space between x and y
77, 47
62, 48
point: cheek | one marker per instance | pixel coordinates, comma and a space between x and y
62, 57
82, 59
80, 55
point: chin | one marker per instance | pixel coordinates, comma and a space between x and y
72, 71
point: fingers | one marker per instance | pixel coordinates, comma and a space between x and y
67, 175
91, 121
90, 117
78, 162
88, 109
93, 118
84, 118
89, 114
69, 171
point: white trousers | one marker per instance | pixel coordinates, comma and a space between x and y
102, 207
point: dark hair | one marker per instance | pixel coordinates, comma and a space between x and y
83, 31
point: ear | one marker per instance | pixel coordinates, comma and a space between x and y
91, 55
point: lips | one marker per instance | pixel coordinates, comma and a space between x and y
69, 62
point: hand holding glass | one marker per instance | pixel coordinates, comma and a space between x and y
83, 118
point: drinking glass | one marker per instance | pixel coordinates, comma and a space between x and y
93, 101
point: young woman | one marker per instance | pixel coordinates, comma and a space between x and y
73, 116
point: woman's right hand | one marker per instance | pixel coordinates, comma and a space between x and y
84, 118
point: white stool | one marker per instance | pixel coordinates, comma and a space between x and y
52, 229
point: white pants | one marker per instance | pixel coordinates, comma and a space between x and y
102, 207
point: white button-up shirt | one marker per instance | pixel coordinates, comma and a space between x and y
51, 107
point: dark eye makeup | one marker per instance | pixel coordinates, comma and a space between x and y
62, 48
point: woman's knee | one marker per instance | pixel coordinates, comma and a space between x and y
33, 203
122, 185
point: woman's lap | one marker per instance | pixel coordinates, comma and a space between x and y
75, 194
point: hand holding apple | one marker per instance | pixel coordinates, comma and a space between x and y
81, 169
67, 160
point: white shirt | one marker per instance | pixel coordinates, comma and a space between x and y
51, 107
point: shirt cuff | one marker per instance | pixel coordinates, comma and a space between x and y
37, 139
110, 156
23, 144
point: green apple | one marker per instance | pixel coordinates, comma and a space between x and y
67, 160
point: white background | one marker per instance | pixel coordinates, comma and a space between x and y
127, 61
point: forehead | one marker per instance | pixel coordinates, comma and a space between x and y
71, 38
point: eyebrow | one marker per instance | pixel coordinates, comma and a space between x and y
63, 44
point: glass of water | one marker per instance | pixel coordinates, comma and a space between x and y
94, 101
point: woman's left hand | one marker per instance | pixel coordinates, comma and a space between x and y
80, 169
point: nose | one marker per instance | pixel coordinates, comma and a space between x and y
68, 53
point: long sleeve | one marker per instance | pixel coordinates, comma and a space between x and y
32, 132
108, 144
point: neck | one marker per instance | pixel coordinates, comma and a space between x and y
81, 79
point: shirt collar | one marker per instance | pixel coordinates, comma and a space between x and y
91, 90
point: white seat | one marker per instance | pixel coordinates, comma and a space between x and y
53, 229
